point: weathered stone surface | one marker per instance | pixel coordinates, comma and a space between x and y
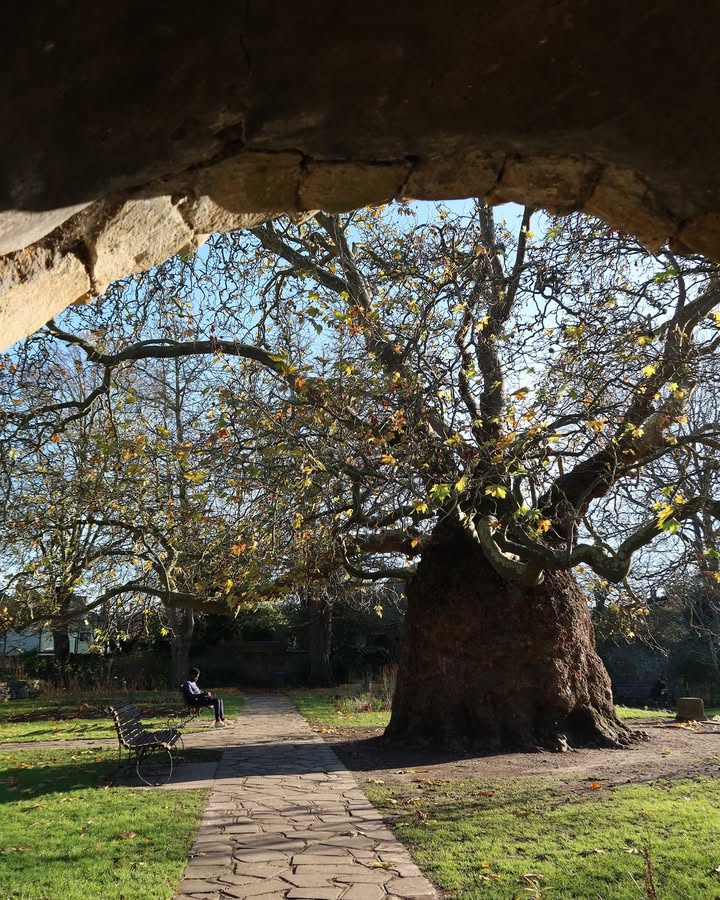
452, 177
20, 228
306, 879
140, 234
314, 893
622, 198
254, 182
559, 185
409, 887
364, 892
342, 186
258, 889
35, 285
701, 234
547, 102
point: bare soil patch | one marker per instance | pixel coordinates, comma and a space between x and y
668, 752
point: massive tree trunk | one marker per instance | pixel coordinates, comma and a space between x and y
319, 610
496, 664
182, 626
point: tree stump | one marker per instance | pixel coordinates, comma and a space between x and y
690, 708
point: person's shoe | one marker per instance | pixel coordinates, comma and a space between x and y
219, 724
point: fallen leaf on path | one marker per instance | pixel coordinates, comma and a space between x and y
595, 785
126, 835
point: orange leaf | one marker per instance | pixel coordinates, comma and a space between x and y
595, 785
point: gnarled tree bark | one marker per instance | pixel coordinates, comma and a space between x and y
495, 663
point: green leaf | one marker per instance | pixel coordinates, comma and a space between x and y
440, 492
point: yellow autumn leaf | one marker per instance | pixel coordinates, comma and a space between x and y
388, 459
664, 514
544, 524
461, 484
649, 370
496, 490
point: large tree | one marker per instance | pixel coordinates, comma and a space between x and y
455, 393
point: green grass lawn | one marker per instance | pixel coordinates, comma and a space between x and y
65, 833
82, 716
331, 710
528, 838
637, 712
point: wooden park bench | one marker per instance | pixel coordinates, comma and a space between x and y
139, 742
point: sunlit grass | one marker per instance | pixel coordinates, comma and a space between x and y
529, 838
83, 716
65, 833
644, 712
333, 710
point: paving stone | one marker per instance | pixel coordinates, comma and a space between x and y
333, 869
322, 850
201, 870
364, 892
259, 856
306, 879
258, 889
315, 893
238, 879
318, 859
369, 876
411, 887
259, 870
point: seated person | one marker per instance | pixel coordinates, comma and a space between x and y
195, 697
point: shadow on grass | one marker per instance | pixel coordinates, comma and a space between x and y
28, 775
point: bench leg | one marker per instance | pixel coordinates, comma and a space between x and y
141, 758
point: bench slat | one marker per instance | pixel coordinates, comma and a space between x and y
134, 736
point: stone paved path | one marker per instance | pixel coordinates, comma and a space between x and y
285, 819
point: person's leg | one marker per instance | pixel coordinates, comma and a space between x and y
222, 708
217, 708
